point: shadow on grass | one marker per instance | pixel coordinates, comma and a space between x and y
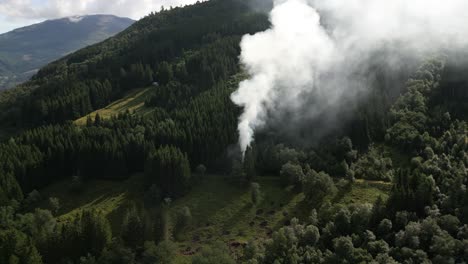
238, 216
221, 205
130, 101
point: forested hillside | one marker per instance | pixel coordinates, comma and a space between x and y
387, 186
92, 77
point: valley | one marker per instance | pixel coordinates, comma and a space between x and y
225, 131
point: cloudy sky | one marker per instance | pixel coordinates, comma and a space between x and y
17, 13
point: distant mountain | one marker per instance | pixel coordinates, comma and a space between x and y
23, 51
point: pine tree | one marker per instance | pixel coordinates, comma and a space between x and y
97, 120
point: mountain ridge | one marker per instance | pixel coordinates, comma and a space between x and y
50, 40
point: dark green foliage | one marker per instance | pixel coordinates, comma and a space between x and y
76, 184
182, 221
32, 199
164, 73
343, 250
237, 170
273, 157
54, 204
88, 259
335, 156
116, 253
97, 120
152, 196
421, 222
106, 152
252, 252
190, 58
249, 164
291, 174
165, 221
89, 232
411, 110
201, 171
36, 237
292, 244
114, 148
374, 166
95, 230
317, 185
413, 191
17, 247
133, 229
164, 253
214, 254
145, 52
169, 168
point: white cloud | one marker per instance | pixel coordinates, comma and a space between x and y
304, 67
47, 9
18, 13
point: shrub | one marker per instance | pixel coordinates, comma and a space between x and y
291, 174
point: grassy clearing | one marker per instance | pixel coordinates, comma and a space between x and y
109, 197
224, 211
221, 210
364, 191
133, 102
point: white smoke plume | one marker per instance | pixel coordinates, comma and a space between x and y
320, 48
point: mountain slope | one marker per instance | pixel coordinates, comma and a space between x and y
148, 173
91, 78
23, 51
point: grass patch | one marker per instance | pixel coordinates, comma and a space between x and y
109, 197
221, 210
224, 211
133, 102
363, 191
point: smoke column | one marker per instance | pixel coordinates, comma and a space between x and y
316, 48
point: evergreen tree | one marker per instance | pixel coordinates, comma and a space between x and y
169, 168
133, 229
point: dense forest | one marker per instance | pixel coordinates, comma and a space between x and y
411, 135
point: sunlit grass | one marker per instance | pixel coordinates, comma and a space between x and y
133, 102
221, 209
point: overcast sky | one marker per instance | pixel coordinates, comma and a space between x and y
18, 13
